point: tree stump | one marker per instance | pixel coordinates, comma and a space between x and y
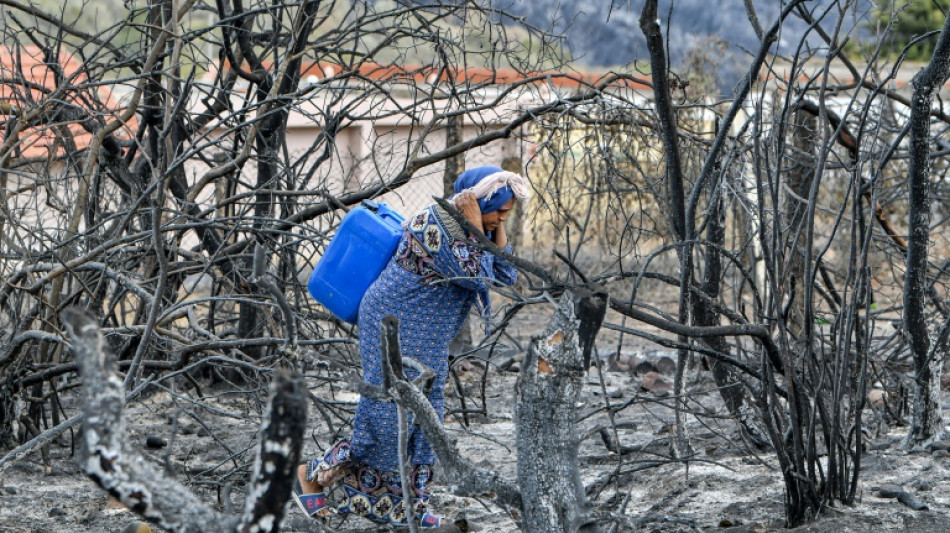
547, 391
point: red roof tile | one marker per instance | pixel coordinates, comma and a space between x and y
29, 83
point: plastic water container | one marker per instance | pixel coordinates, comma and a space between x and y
363, 245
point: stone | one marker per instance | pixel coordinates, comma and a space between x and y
57, 511
923, 485
645, 367
889, 491
912, 501
463, 525
665, 365
655, 383
939, 445
464, 365
882, 444
155, 442
621, 362
945, 381
10, 490
138, 527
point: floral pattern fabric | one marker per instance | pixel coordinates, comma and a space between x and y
414, 257
372, 494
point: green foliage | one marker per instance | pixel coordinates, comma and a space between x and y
908, 19
122, 23
82, 15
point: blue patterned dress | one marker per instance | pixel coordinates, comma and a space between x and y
430, 284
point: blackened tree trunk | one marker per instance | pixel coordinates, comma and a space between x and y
272, 91
730, 385
456, 164
676, 199
548, 387
926, 419
7, 416
801, 173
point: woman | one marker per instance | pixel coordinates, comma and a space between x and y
430, 284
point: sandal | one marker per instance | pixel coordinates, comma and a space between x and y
311, 504
430, 521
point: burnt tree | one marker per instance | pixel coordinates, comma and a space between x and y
928, 348
109, 460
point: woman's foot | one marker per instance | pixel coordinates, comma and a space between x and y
309, 495
326, 478
308, 486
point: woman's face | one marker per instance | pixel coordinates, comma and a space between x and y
491, 221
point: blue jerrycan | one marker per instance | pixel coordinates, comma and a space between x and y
364, 243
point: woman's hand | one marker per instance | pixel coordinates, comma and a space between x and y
467, 204
500, 235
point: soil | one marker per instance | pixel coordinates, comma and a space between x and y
727, 488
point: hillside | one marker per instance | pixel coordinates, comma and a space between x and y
602, 33
598, 33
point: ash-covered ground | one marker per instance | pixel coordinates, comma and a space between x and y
727, 487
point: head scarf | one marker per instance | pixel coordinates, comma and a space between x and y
492, 186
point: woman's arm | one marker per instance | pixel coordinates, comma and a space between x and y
467, 204
504, 272
501, 236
